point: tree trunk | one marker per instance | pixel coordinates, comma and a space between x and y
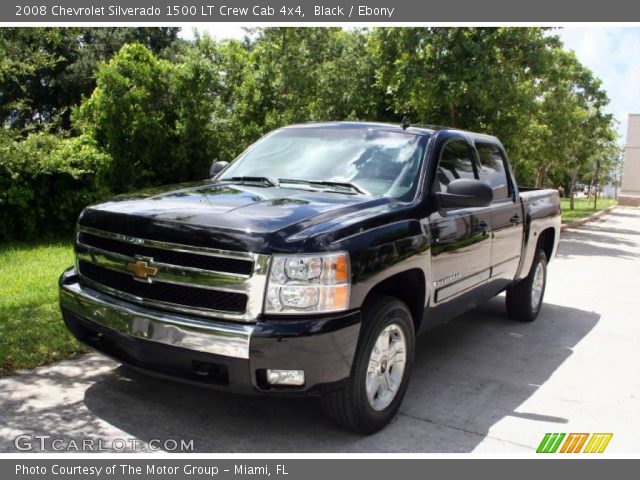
284, 79
574, 177
542, 173
590, 188
595, 181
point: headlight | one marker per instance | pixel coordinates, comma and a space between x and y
308, 283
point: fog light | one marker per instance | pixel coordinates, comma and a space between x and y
285, 377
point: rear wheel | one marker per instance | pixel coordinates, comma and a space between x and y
380, 373
524, 299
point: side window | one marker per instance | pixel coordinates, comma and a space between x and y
493, 170
455, 162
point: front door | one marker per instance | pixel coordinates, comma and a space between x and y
460, 238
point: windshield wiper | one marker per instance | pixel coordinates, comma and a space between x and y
266, 180
322, 183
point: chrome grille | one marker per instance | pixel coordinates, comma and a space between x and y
172, 257
209, 282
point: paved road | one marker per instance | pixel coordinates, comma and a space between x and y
481, 383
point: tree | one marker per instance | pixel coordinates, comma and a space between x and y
310, 74
45, 181
44, 72
473, 78
155, 109
516, 83
158, 120
579, 130
132, 114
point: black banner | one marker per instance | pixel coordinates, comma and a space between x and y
312, 469
344, 11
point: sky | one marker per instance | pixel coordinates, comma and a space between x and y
612, 53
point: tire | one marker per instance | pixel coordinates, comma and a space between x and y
524, 299
351, 407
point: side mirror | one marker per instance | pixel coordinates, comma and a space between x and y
465, 193
216, 168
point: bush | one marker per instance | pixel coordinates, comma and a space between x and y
153, 117
45, 181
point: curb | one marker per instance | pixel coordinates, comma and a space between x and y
582, 221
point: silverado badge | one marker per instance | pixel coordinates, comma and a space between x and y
141, 269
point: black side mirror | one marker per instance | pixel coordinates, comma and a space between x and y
465, 193
216, 168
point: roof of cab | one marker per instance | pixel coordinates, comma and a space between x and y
426, 130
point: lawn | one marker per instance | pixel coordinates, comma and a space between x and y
583, 208
31, 329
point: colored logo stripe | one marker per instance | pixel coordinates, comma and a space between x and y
550, 443
598, 442
575, 441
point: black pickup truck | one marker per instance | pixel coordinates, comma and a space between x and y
310, 263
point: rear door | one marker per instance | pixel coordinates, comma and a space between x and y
460, 237
506, 212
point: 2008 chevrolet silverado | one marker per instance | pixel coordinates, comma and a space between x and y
309, 264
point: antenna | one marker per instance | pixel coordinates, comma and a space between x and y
405, 122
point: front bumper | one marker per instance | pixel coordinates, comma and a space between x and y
218, 354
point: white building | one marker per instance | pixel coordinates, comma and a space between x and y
630, 194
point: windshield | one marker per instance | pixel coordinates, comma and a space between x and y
377, 162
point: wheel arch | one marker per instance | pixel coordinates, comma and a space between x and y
546, 242
409, 287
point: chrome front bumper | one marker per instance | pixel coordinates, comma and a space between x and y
208, 336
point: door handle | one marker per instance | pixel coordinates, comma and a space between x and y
515, 219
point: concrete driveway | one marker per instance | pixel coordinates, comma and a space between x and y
481, 382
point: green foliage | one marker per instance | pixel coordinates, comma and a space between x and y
516, 83
313, 74
155, 118
200, 114
46, 71
45, 181
162, 110
582, 134
289, 75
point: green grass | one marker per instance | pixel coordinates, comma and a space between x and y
31, 329
582, 208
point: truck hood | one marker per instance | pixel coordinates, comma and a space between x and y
224, 215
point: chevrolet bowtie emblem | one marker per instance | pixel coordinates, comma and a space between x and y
141, 269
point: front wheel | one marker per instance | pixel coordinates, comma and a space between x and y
524, 299
381, 369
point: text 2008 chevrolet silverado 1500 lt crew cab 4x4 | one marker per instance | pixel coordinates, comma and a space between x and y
309, 264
